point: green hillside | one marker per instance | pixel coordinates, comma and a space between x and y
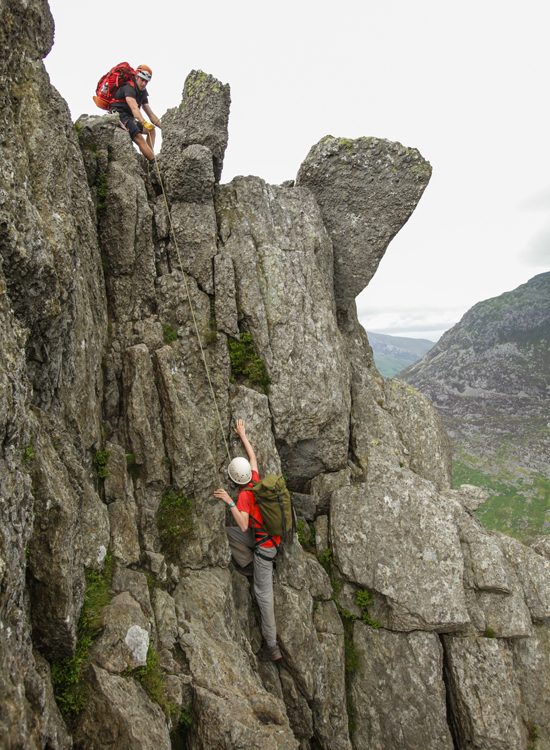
517, 507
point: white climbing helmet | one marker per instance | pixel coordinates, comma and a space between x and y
239, 470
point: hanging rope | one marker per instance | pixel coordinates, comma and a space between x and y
192, 309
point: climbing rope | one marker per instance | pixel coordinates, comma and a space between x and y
191, 308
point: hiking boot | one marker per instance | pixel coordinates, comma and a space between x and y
274, 653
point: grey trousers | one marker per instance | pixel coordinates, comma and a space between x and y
242, 549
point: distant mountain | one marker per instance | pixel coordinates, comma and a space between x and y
392, 354
489, 377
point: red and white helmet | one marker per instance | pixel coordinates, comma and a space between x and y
145, 72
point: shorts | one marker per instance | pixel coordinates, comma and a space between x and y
129, 123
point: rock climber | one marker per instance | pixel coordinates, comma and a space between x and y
250, 544
128, 102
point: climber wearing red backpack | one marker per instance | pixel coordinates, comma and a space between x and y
128, 101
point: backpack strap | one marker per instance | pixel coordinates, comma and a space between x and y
266, 536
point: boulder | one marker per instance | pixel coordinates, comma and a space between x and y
366, 188
201, 118
392, 536
398, 674
129, 719
484, 694
123, 644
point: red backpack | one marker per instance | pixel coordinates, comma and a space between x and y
110, 82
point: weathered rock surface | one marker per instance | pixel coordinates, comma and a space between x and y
398, 674
366, 188
129, 718
411, 550
107, 418
484, 694
282, 260
201, 119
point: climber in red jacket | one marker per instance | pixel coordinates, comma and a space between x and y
249, 542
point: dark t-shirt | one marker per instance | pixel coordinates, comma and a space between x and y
141, 98
246, 503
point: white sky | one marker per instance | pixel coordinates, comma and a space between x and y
464, 82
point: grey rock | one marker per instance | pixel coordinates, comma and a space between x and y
130, 720
188, 173
398, 674
123, 644
321, 533
117, 484
124, 532
142, 412
311, 635
135, 583
541, 545
531, 657
253, 408
403, 545
202, 118
367, 188
299, 712
235, 712
484, 694
469, 496
165, 618
195, 230
304, 505
421, 432
533, 571
225, 299
323, 485
282, 258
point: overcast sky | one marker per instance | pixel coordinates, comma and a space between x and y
465, 82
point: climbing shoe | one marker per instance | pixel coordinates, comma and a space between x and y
274, 653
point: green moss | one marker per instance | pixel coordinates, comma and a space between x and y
101, 459
532, 736
29, 454
325, 558
246, 366
351, 654
306, 536
153, 681
346, 143
69, 689
169, 333
363, 599
489, 633
175, 521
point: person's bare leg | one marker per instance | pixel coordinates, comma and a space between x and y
144, 147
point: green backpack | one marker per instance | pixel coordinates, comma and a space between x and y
275, 505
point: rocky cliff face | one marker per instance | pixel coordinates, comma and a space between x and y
403, 623
489, 377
